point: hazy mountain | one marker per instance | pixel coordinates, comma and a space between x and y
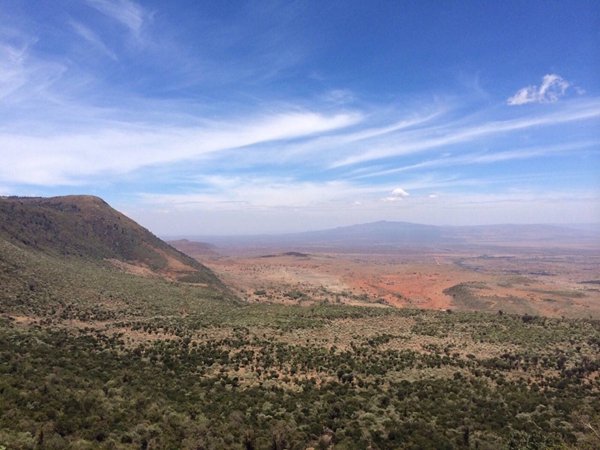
382, 232
393, 234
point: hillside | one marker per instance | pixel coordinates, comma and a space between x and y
87, 227
194, 249
76, 257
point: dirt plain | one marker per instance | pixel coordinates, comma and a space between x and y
554, 282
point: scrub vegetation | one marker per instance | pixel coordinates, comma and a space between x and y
94, 357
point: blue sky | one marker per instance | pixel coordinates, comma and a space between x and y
242, 117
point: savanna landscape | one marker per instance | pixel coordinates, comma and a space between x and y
299, 225
112, 339
553, 285
549, 272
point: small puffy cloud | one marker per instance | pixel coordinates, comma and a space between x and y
553, 87
399, 192
433, 196
396, 195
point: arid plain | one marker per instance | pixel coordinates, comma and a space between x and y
513, 277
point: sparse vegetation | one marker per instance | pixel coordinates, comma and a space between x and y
93, 357
234, 374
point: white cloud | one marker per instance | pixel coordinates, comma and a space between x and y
367, 132
11, 76
483, 158
553, 87
399, 192
226, 193
452, 133
128, 13
93, 39
73, 158
464, 208
23, 75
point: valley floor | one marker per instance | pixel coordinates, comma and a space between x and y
93, 356
555, 283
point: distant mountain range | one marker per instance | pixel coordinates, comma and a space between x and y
389, 233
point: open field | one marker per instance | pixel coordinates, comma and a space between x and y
554, 283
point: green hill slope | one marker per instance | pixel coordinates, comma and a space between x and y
41, 285
87, 227
73, 257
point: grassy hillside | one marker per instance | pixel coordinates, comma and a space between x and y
41, 285
194, 249
87, 227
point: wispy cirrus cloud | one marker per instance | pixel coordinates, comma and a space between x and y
72, 158
330, 203
224, 114
224, 192
128, 13
369, 131
91, 37
230, 192
452, 132
552, 88
18, 70
482, 158
12, 72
